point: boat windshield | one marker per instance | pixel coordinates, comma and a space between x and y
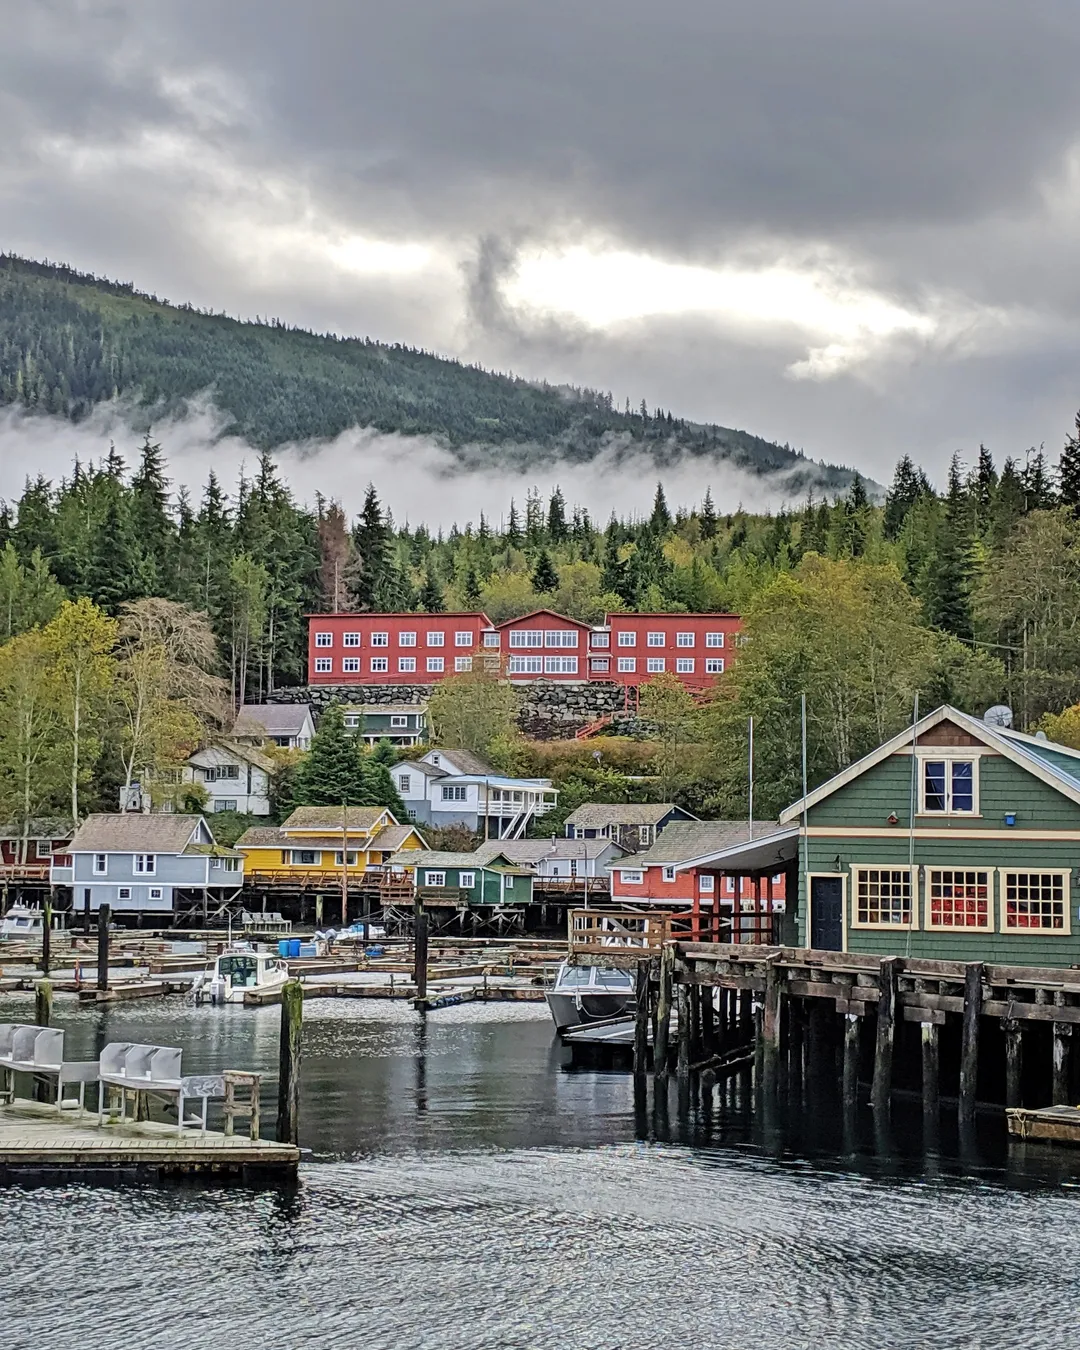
613, 979
574, 977
242, 970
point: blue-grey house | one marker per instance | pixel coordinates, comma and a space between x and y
147, 864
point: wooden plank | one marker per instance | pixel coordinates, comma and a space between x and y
927, 1016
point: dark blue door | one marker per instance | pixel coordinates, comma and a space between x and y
827, 913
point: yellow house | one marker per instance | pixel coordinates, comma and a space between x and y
313, 844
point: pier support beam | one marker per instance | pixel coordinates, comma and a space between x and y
420, 954
931, 1085
1062, 1062
969, 1041
886, 1032
104, 914
1014, 1061
852, 1038
686, 1022
770, 1024
43, 992
663, 1016
292, 1022
46, 940
641, 1028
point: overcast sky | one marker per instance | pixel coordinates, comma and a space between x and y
851, 226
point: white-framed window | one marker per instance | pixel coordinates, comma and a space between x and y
306, 857
526, 665
436, 663
882, 897
454, 792
436, 639
714, 639
644, 834
406, 639
669, 874
351, 640
631, 876
491, 639
350, 856
399, 719
684, 665
627, 639
462, 663
602, 640
948, 785
467, 880
729, 883
706, 881
380, 639
217, 773
959, 898
44, 848
145, 864
380, 665
123, 892
684, 639
627, 665
526, 637
560, 665
410, 812
509, 882
655, 640
462, 639
434, 878
714, 665
231, 864
560, 637
654, 665
157, 892
101, 864
324, 665
405, 664
324, 639
350, 665
1035, 902
601, 664
404, 782
226, 804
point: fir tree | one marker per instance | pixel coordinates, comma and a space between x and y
1008, 503
1035, 478
333, 772
150, 520
556, 517
371, 540
431, 596
471, 588
906, 489
708, 516
947, 585
513, 535
984, 483
1069, 471
114, 568
379, 788
544, 577
660, 520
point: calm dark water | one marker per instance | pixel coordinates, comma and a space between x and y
466, 1191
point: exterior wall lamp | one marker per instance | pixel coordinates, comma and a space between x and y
1010, 817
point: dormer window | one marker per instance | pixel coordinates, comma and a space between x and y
949, 786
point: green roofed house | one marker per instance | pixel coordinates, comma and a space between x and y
465, 879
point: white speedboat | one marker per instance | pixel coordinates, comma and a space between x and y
22, 923
236, 971
589, 994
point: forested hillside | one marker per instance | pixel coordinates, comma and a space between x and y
69, 341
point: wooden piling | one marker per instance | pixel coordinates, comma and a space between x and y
641, 1027
886, 1032
708, 1021
420, 954
931, 1085
1014, 1061
292, 1021
682, 994
770, 1024
663, 1016
104, 914
1061, 1066
969, 1040
43, 992
86, 913
852, 1029
46, 940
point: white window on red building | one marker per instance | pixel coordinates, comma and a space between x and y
526, 637
406, 664
669, 874
560, 637
656, 640
380, 665
714, 639
560, 665
714, 665
324, 639
627, 639
406, 639
705, 881
462, 663
631, 878
323, 665
351, 640
350, 665
684, 665
654, 665
627, 665
684, 639
729, 883
526, 665
435, 663
436, 639
600, 640
601, 664
462, 639
491, 639
380, 639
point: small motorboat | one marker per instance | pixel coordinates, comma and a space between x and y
589, 994
22, 923
236, 971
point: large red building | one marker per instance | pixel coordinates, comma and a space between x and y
627, 649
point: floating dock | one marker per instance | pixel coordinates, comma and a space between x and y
1057, 1124
37, 1143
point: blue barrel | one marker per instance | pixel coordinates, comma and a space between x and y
294, 947
283, 947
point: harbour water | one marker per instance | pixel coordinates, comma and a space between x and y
465, 1190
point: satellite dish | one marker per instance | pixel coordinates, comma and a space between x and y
998, 716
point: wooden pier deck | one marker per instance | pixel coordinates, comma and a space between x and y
1055, 1124
36, 1142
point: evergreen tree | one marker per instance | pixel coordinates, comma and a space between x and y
611, 579
333, 772
371, 539
534, 520
907, 487
544, 577
513, 535
947, 585
1009, 503
660, 520
708, 516
431, 596
556, 517
1035, 478
379, 787
471, 588
1069, 471
114, 571
984, 482
150, 520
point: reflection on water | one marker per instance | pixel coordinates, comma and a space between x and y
470, 1192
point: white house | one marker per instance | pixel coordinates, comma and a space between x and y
236, 776
289, 725
456, 787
